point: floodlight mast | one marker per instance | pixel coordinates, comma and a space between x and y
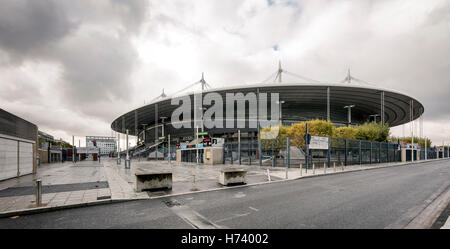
349, 107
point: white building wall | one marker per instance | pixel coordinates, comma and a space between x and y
12, 163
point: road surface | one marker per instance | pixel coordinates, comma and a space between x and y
380, 198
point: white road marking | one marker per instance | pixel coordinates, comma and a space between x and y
254, 209
232, 217
193, 218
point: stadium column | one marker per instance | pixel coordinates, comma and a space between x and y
136, 125
156, 131
382, 107
328, 103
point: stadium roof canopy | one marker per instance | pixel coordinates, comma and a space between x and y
302, 101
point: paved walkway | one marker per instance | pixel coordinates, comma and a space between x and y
66, 184
63, 184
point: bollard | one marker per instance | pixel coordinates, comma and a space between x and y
342, 164
314, 169
334, 166
268, 175
38, 192
301, 166
324, 168
194, 187
286, 173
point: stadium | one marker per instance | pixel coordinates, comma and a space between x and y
349, 102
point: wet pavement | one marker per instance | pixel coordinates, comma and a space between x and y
68, 183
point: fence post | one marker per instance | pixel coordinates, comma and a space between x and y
288, 149
328, 152
239, 147
249, 148
307, 146
387, 152
379, 153
271, 154
345, 155
223, 148
38, 192
359, 152
260, 152
231, 150
169, 155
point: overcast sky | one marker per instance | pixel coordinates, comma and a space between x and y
72, 67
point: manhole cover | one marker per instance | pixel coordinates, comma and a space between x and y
172, 203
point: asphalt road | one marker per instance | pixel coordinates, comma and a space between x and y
380, 198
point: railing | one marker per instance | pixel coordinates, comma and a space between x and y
292, 152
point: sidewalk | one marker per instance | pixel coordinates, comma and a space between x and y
63, 184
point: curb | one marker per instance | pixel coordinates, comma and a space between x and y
56, 208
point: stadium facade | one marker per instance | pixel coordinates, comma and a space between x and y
297, 102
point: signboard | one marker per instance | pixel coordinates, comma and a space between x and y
202, 133
161, 138
318, 143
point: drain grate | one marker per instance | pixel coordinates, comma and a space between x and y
172, 203
103, 197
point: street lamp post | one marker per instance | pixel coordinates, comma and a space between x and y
374, 117
349, 107
144, 125
73, 149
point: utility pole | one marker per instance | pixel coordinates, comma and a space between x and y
118, 148
127, 159
196, 141
411, 108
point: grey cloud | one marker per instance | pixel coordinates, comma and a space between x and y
26, 26
96, 63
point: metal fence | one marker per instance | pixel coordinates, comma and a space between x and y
292, 152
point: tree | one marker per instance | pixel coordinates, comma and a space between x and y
373, 132
420, 141
345, 132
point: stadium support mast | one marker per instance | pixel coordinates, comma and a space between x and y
348, 79
203, 82
279, 72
